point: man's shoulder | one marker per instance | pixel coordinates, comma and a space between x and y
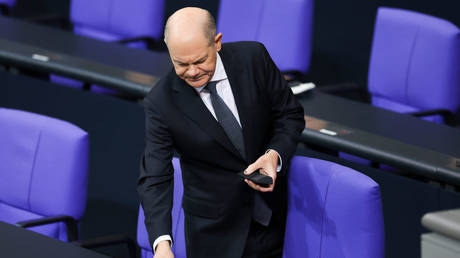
161, 91
243, 47
249, 53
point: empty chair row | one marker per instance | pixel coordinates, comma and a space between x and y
140, 23
43, 180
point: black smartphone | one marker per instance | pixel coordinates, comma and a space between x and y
258, 178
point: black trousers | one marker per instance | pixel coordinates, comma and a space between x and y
265, 242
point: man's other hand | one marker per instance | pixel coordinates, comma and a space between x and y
267, 164
163, 250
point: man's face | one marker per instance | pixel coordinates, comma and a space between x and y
195, 61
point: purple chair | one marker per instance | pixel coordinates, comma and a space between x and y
43, 173
414, 67
333, 211
135, 23
415, 64
177, 220
113, 20
283, 26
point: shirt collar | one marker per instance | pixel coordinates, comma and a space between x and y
219, 73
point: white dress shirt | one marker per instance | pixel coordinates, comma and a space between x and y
225, 93
223, 89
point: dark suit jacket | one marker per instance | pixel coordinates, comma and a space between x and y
217, 203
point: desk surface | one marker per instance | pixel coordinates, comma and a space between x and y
417, 146
19, 242
133, 71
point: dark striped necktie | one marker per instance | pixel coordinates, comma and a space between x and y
226, 119
261, 213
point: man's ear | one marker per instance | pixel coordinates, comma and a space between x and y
218, 41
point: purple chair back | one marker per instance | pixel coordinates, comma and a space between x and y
333, 211
43, 169
116, 19
283, 26
177, 220
415, 62
111, 20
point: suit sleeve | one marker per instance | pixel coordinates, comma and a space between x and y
155, 183
287, 113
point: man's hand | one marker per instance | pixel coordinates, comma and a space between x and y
267, 164
163, 250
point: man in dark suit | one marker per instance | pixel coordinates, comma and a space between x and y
224, 109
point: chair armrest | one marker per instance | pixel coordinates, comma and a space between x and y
448, 116
70, 223
340, 87
5, 9
350, 90
149, 41
107, 241
60, 20
146, 39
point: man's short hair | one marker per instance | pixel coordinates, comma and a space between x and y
209, 28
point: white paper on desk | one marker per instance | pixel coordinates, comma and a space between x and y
303, 87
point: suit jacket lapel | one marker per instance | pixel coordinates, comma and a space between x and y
188, 100
240, 89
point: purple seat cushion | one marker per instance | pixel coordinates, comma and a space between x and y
177, 220
415, 62
12, 215
402, 108
106, 36
66, 81
79, 85
333, 211
43, 167
284, 27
